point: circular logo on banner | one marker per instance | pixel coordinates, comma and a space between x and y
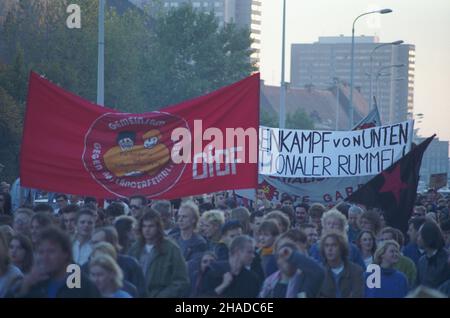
131, 154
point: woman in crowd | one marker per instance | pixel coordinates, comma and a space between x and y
366, 242
21, 252
107, 276
198, 274
125, 226
10, 275
393, 283
343, 278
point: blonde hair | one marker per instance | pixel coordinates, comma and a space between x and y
193, 208
334, 213
104, 248
214, 216
106, 262
382, 249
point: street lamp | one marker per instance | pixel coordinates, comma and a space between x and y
383, 11
371, 64
283, 84
101, 54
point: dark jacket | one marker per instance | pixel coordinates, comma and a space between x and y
350, 284
411, 250
192, 248
132, 272
87, 290
167, 274
244, 285
433, 271
309, 280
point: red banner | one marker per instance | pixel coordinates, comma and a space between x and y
71, 145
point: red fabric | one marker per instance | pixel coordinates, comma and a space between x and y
66, 138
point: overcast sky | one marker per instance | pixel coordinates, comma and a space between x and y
423, 23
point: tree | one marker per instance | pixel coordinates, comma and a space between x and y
10, 134
299, 120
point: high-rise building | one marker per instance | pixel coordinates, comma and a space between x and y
435, 159
244, 13
321, 62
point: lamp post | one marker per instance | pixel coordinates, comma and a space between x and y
101, 54
383, 11
371, 66
283, 84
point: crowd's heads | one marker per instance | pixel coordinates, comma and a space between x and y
150, 227
354, 213
137, 204
61, 200
295, 236
69, 218
387, 253
206, 260
334, 220
39, 221
312, 235
334, 247
22, 221
430, 236
419, 211
315, 212
230, 230
107, 234
85, 223
256, 218
370, 220
286, 200
242, 215
44, 208
390, 233
280, 219
366, 240
188, 216
212, 222
105, 273
301, 213
91, 201
243, 249
113, 211
414, 225
125, 226
53, 251
268, 232
21, 252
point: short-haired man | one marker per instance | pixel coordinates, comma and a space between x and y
69, 219
230, 230
192, 245
412, 249
113, 211
301, 214
62, 201
354, 212
310, 231
232, 278
137, 204
212, 227
336, 221
82, 246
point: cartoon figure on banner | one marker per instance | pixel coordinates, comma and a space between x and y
131, 159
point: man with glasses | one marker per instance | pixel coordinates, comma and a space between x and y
137, 204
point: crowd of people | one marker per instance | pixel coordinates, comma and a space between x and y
214, 245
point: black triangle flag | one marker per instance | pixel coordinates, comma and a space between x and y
394, 190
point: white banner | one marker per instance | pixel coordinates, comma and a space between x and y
328, 154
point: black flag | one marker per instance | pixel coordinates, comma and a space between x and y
394, 190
